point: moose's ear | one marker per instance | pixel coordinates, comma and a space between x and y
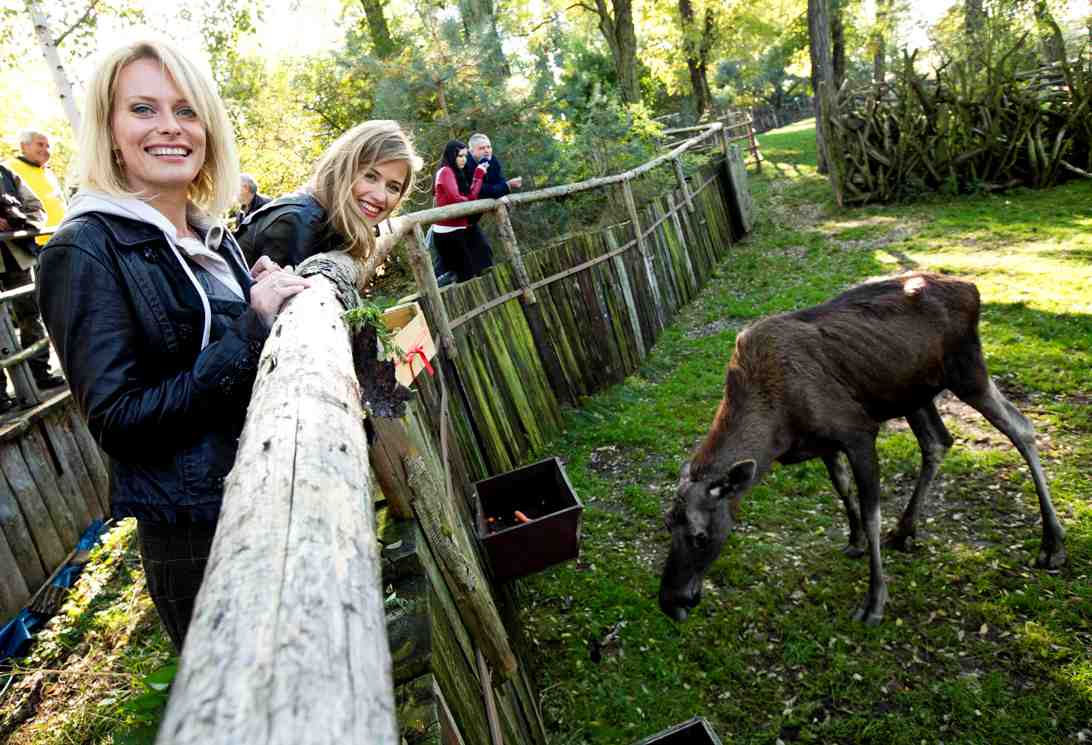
738, 476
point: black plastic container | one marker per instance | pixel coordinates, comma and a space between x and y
541, 492
695, 731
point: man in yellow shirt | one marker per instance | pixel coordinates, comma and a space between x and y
32, 167
29, 170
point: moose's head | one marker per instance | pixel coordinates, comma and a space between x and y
705, 510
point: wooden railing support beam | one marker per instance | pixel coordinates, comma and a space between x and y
684, 187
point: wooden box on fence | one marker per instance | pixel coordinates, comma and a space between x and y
694, 731
542, 495
412, 335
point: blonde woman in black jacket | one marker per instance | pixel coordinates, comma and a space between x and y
358, 183
156, 318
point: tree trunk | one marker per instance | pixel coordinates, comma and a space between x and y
288, 642
480, 31
1051, 41
696, 45
879, 41
821, 70
621, 37
380, 34
974, 19
838, 44
53, 59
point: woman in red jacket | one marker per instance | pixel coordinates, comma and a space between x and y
450, 187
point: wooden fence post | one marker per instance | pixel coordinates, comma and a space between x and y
532, 311
680, 175
754, 145
642, 246
288, 642
421, 263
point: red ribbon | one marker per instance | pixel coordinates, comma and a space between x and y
418, 351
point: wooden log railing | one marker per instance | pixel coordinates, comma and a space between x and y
288, 642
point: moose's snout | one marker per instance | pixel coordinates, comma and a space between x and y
677, 603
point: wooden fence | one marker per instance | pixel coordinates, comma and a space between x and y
604, 298
54, 482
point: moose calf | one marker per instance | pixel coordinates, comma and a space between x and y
818, 382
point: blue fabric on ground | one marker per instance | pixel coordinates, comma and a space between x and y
17, 634
90, 535
15, 637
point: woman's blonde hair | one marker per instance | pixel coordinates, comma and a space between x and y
345, 161
217, 183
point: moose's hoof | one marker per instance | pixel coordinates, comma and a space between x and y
854, 551
903, 542
868, 617
1049, 558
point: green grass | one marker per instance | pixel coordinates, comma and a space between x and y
86, 678
976, 647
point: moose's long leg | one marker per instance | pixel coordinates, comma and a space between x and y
839, 476
934, 440
1002, 414
866, 472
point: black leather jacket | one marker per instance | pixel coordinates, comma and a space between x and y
288, 230
127, 322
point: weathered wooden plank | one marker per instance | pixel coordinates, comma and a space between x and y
61, 438
650, 270
77, 505
419, 714
288, 641
26, 563
742, 204
14, 592
68, 519
51, 551
92, 458
662, 260
460, 684
627, 293
692, 279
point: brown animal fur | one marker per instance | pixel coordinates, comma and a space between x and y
819, 382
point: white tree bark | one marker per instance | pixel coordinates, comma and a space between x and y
288, 643
53, 59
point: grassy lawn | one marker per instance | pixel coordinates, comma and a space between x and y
976, 646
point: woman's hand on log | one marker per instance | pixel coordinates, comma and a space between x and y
263, 265
269, 294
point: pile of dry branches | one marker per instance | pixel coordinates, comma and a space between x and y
975, 125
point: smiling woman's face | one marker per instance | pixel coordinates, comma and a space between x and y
156, 131
379, 189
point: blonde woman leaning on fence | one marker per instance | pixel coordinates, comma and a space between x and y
359, 181
156, 319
